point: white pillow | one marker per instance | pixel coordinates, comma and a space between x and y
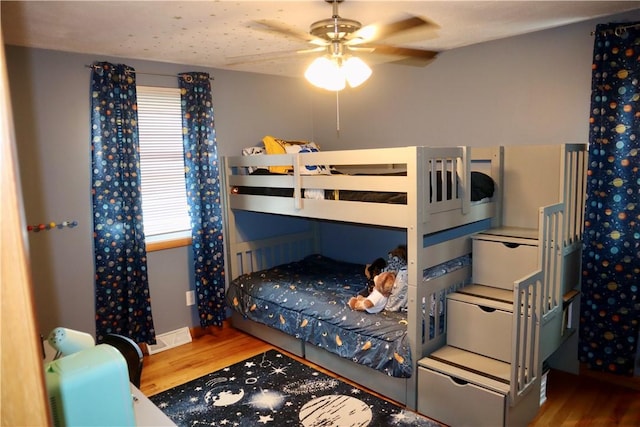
314, 193
253, 151
310, 147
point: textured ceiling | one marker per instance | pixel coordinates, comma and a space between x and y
215, 33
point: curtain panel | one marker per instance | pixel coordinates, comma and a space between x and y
610, 308
203, 196
122, 299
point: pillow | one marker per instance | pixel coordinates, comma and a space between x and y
253, 151
310, 147
275, 146
278, 146
399, 295
397, 261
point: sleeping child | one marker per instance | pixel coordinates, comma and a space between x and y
377, 299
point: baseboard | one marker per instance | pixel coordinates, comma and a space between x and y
170, 340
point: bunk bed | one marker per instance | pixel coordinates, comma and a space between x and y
437, 230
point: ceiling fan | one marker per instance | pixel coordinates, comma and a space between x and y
340, 38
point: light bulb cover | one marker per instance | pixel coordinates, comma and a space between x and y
356, 71
326, 74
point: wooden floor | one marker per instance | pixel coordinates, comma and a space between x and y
588, 399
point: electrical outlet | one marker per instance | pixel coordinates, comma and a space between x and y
191, 297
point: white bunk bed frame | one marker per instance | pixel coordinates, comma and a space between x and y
420, 216
560, 234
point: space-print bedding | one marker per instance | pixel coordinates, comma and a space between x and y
308, 300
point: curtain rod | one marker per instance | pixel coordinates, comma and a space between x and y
618, 31
151, 74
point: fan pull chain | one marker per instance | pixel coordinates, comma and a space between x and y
337, 113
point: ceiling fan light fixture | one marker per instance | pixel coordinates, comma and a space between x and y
334, 73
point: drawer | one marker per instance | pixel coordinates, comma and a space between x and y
480, 329
458, 403
499, 264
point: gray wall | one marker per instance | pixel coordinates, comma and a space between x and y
50, 98
529, 89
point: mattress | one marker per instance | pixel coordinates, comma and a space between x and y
308, 300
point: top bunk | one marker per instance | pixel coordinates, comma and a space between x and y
399, 187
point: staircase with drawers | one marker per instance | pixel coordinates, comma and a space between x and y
500, 329
519, 311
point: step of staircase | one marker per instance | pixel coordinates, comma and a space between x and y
488, 295
469, 367
480, 320
526, 235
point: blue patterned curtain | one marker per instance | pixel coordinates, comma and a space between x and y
610, 308
203, 195
122, 300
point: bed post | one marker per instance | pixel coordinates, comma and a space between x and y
497, 172
464, 172
228, 222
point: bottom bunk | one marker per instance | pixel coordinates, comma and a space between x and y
301, 307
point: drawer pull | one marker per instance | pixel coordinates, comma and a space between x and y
511, 245
486, 309
459, 381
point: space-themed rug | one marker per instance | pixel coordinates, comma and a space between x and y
274, 389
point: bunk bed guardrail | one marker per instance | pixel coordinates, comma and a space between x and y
526, 365
550, 240
420, 183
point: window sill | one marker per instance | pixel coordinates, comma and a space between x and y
168, 244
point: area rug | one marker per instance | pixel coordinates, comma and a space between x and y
274, 389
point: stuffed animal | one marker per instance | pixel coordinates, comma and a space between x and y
376, 301
371, 271
397, 259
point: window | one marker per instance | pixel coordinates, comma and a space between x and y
164, 198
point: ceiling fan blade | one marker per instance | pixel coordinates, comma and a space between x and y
406, 56
365, 49
375, 32
267, 56
276, 27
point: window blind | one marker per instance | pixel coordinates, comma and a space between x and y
164, 199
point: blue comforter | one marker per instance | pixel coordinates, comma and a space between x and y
308, 300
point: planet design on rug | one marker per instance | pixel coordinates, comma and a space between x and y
335, 410
273, 390
223, 396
